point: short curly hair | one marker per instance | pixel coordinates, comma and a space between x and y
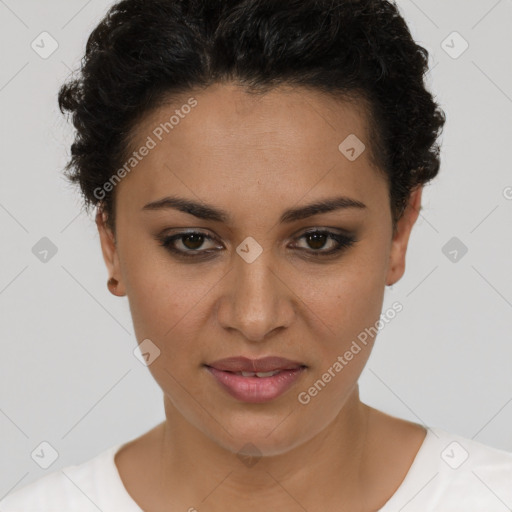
144, 52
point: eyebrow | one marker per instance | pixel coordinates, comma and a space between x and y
212, 213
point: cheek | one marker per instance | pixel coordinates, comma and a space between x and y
158, 291
344, 300
361, 295
350, 307
167, 307
347, 312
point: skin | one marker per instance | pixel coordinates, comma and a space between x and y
255, 156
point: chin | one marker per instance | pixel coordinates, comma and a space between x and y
267, 435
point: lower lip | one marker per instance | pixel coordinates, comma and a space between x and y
256, 389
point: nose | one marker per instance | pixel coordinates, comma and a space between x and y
255, 299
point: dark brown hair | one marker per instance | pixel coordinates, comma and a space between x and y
145, 51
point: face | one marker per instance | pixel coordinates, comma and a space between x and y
257, 282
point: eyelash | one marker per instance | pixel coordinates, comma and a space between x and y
344, 242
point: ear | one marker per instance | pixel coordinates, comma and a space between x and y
400, 239
109, 250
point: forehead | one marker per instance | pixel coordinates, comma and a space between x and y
224, 140
227, 116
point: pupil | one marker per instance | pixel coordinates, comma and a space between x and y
317, 237
198, 240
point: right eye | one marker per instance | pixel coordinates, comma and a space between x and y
191, 241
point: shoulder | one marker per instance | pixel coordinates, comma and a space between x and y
483, 472
451, 472
460, 457
74, 487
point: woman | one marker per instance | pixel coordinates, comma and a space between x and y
257, 168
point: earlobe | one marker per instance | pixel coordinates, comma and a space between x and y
110, 254
112, 285
401, 236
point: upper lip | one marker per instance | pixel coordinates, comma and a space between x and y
265, 364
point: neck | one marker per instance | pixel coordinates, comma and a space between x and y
327, 471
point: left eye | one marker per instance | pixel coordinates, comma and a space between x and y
317, 239
192, 241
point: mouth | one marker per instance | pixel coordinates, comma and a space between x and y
255, 366
257, 374
256, 380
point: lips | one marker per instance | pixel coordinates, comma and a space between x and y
256, 380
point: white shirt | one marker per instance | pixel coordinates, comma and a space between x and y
449, 474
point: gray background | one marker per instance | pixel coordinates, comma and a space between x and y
68, 375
